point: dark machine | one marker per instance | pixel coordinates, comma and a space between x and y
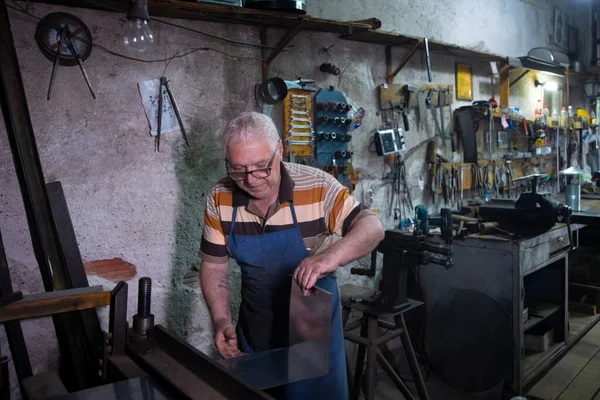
403, 250
163, 366
531, 214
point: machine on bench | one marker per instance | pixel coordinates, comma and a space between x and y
533, 213
403, 250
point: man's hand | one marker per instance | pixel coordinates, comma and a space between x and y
312, 269
226, 340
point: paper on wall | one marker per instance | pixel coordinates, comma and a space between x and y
149, 93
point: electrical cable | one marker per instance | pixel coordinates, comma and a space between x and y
118, 9
168, 59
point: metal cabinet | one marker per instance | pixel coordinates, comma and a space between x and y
515, 273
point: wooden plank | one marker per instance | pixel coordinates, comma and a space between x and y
584, 293
39, 308
504, 85
61, 293
392, 94
586, 384
551, 386
299, 150
583, 308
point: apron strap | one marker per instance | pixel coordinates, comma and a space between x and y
294, 214
233, 220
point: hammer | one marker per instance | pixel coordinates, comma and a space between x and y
405, 104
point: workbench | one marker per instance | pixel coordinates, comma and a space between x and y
530, 273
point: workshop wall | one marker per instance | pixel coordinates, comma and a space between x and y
130, 202
509, 27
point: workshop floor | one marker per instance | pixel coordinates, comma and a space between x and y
575, 377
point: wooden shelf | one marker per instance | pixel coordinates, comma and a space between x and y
362, 31
538, 311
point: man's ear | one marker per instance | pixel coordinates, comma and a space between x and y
280, 148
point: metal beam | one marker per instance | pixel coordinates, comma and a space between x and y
76, 360
14, 333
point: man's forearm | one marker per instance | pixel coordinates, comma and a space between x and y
362, 238
215, 288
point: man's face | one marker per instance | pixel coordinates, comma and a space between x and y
251, 155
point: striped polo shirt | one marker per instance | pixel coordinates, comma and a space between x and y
324, 208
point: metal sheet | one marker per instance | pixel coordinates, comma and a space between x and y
143, 388
308, 354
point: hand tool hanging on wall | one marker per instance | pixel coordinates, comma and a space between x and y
65, 40
428, 59
405, 103
164, 82
442, 102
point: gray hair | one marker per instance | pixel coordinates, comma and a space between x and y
250, 125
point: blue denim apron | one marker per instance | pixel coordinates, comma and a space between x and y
267, 261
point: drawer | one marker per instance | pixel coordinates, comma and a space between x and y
544, 248
559, 243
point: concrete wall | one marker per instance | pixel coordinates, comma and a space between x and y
128, 201
507, 27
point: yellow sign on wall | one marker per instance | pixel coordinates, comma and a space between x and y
464, 82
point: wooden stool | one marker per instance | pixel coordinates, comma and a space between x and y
369, 341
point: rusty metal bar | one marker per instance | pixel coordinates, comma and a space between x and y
274, 53
404, 61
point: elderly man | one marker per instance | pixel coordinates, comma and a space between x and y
277, 219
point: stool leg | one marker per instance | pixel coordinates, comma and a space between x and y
412, 359
352, 393
371, 358
394, 376
360, 359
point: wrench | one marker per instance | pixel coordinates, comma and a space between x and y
288, 142
301, 119
301, 134
305, 112
294, 126
297, 96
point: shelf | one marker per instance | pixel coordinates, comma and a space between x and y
532, 360
361, 31
541, 309
580, 323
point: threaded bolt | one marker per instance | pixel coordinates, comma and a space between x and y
144, 296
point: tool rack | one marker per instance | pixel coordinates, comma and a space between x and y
332, 125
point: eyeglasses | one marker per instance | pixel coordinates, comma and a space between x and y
261, 173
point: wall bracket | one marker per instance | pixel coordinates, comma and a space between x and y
268, 59
388, 60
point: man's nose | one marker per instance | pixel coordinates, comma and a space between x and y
250, 179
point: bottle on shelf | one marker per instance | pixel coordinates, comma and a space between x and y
554, 118
571, 119
538, 109
564, 117
545, 115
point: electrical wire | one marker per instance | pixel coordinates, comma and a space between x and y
120, 9
179, 54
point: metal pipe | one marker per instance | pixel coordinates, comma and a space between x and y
557, 160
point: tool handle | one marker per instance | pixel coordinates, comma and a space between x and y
405, 119
453, 139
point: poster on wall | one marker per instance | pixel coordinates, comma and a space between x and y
149, 93
559, 32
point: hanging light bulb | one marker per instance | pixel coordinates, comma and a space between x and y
138, 34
